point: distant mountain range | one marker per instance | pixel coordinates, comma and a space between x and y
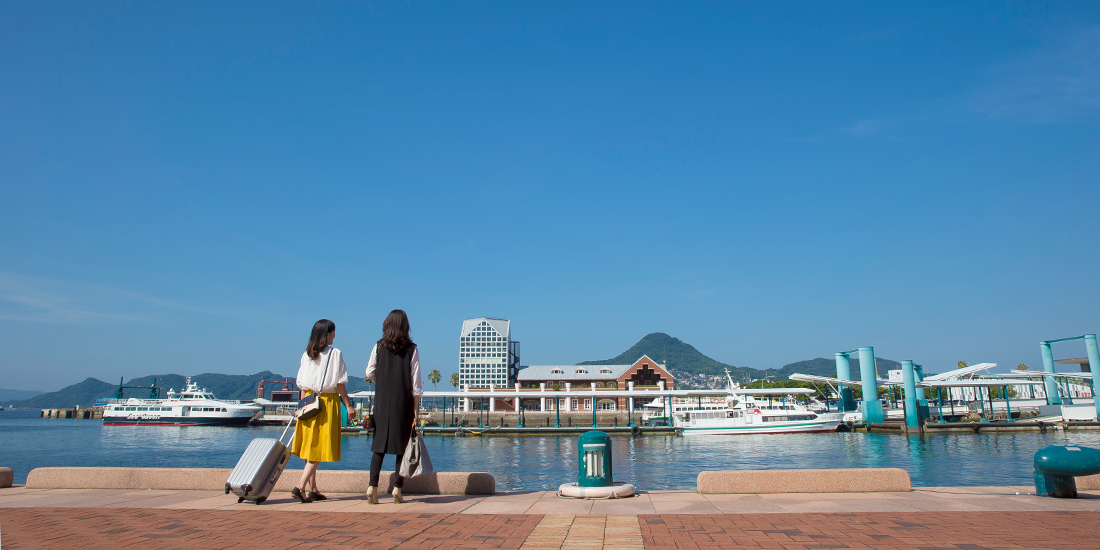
678, 355
12, 395
681, 356
223, 386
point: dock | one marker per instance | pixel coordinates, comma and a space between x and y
473, 431
75, 412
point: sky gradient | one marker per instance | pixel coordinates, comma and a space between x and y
188, 186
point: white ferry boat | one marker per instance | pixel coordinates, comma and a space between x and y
741, 413
190, 407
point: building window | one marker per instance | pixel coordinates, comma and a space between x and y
580, 371
605, 371
556, 371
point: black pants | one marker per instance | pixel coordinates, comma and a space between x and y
376, 467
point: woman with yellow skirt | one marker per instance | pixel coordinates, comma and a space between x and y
317, 439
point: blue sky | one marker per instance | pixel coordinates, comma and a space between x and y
189, 186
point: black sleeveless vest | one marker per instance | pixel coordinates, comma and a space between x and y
393, 400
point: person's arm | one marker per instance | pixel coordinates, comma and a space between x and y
342, 389
372, 363
417, 383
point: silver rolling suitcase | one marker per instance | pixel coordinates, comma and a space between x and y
259, 468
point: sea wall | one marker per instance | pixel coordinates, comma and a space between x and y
213, 479
841, 480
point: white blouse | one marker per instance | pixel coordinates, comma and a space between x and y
418, 385
309, 374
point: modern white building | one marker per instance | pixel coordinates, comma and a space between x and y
487, 356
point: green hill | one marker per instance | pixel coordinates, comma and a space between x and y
84, 394
827, 367
675, 354
683, 357
223, 386
13, 395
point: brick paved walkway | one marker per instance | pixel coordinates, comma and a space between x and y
64, 528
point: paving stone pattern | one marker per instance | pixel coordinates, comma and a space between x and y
878, 530
147, 529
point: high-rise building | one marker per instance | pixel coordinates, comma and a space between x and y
486, 353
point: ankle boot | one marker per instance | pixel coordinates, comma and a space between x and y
397, 496
372, 495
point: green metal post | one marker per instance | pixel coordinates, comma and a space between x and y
1094, 366
981, 401
557, 412
1008, 402
868, 377
593, 402
909, 378
844, 372
1048, 366
939, 405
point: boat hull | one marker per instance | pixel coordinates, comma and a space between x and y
800, 427
178, 421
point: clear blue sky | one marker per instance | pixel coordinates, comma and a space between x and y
188, 186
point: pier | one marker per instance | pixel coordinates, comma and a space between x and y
75, 412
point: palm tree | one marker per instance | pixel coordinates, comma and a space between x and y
962, 365
454, 379
434, 377
1022, 366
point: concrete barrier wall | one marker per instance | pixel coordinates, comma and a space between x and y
7, 476
847, 480
213, 479
1088, 483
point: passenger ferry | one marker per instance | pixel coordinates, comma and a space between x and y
190, 407
741, 413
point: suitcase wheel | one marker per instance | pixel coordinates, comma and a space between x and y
240, 500
261, 499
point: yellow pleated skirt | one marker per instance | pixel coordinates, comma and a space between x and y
318, 439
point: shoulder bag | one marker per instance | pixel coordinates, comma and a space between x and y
310, 405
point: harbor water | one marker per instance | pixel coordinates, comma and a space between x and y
544, 462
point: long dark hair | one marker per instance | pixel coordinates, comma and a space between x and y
318, 339
395, 332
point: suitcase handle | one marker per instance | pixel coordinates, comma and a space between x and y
288, 425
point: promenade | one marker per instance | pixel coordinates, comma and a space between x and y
970, 518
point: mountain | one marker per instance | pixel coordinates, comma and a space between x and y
12, 395
223, 386
827, 367
83, 394
684, 359
675, 354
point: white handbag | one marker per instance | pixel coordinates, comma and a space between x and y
416, 461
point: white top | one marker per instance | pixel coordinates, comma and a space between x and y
309, 374
418, 385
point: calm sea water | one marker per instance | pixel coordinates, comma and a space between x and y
661, 462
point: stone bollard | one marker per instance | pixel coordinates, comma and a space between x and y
6, 477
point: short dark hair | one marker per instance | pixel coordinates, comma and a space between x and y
318, 339
395, 332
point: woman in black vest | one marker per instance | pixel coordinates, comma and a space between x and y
394, 366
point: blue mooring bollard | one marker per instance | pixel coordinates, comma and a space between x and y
1056, 466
